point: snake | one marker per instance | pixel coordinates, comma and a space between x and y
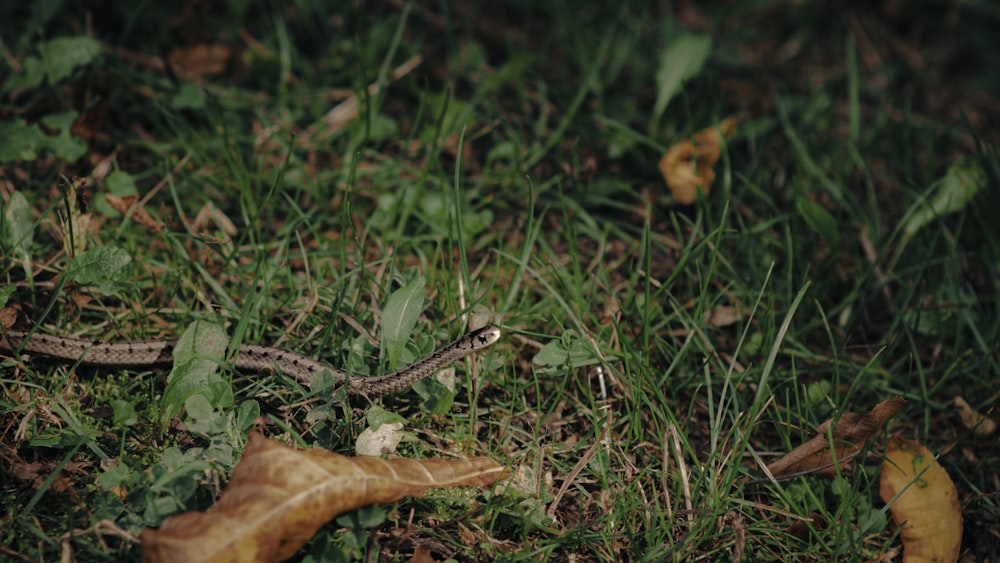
250, 358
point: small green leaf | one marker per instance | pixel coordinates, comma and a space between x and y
365, 517
19, 233
399, 317
189, 96
560, 353
32, 75
125, 414
199, 409
5, 293
62, 55
436, 397
121, 183
962, 182
62, 121
246, 415
959, 186
113, 475
104, 266
66, 148
382, 128
819, 220
20, 141
683, 59
377, 416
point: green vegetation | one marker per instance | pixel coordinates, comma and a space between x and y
328, 176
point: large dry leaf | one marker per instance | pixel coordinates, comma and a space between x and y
850, 434
278, 497
927, 506
687, 166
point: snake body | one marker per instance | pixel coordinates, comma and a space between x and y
251, 357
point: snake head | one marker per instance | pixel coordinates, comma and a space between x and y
483, 338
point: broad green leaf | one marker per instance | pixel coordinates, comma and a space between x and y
197, 357
104, 266
399, 317
683, 59
62, 55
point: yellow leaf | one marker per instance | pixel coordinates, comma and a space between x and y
927, 504
687, 166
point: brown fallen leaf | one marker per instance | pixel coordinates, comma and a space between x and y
8, 315
800, 528
422, 554
278, 497
850, 434
199, 60
89, 123
981, 425
723, 315
927, 503
129, 204
687, 165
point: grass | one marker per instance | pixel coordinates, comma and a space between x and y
513, 171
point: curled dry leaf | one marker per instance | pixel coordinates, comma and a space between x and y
687, 166
850, 434
278, 497
927, 503
981, 425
